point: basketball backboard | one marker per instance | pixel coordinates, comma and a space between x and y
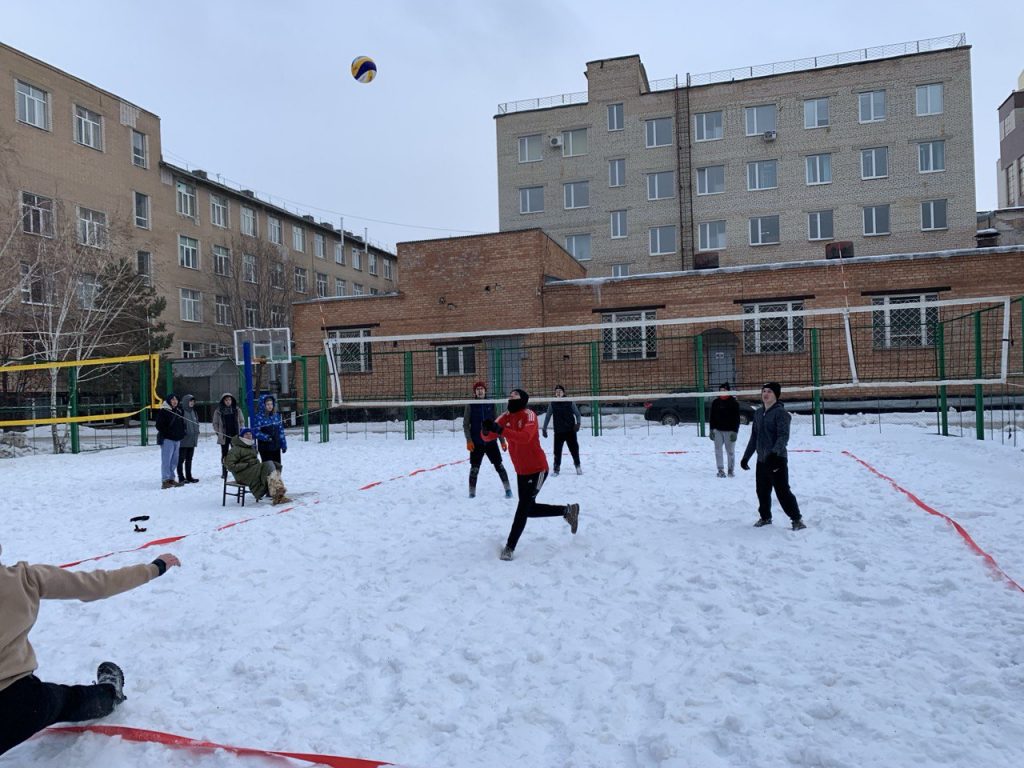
269, 345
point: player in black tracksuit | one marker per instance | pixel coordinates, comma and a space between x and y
472, 418
567, 424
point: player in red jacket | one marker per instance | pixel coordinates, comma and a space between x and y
518, 425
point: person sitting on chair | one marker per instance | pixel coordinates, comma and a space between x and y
262, 478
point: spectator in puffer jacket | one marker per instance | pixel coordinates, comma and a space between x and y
226, 421
269, 430
170, 429
725, 425
188, 442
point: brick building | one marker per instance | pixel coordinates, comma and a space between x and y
872, 148
1010, 166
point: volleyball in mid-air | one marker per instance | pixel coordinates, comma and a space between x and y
364, 69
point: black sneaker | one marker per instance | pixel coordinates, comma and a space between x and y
108, 673
506, 553
762, 522
798, 525
555, 472
572, 516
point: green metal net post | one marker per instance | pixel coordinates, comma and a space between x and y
144, 400
940, 368
979, 397
73, 408
699, 367
498, 368
595, 388
325, 433
410, 414
819, 426
169, 372
305, 400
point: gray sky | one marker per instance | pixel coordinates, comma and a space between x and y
260, 92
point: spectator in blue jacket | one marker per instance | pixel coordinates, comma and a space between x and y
269, 430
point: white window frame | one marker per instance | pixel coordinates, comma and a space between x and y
275, 233
574, 245
618, 225
757, 124
87, 289
638, 342
36, 288
814, 220
357, 289
221, 260
388, 272
188, 252
144, 266
357, 259
455, 360
92, 228
700, 127
873, 154
711, 236
301, 278
32, 105
220, 211
191, 349
339, 286
661, 185
576, 194
355, 356
249, 272
140, 149
371, 263
321, 284
705, 176
620, 270
278, 316
529, 143
575, 142
931, 156
813, 113
298, 238
871, 106
249, 223
657, 132
787, 340
616, 116
528, 196
191, 305
929, 99
931, 206
921, 329
251, 313
141, 213
654, 240
319, 246
757, 227
756, 169
88, 128
222, 314
185, 198
817, 168
871, 213
36, 214
277, 275
617, 172
339, 253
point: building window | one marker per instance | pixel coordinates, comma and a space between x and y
896, 326
638, 341
140, 149
661, 185
92, 228
764, 230
620, 270
352, 356
339, 287
339, 253
711, 236
762, 174
33, 105
87, 289
577, 194
876, 220
618, 225
191, 305
188, 252
616, 118
617, 172
388, 274
274, 230
319, 246
815, 113
222, 310
249, 223
874, 163
929, 99
760, 119
819, 225
219, 212
301, 279
298, 239
357, 289
531, 200
574, 142
819, 169
357, 259
711, 180
221, 261
933, 214
321, 285
456, 361
277, 275
35, 287
931, 156
371, 263
251, 310
191, 349
88, 128
144, 266
278, 316
249, 268
185, 198
662, 240
578, 246
766, 335
871, 106
707, 126
658, 132
141, 210
530, 148
36, 214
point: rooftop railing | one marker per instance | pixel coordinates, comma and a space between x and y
759, 70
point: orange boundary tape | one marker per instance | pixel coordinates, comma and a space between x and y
183, 742
989, 560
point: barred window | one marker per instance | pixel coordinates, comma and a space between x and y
638, 341
896, 326
354, 356
767, 335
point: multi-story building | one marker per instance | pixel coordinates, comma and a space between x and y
1010, 167
79, 161
871, 150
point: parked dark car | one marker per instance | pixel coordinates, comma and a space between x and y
672, 410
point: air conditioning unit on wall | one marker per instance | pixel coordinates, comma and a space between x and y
555, 141
769, 136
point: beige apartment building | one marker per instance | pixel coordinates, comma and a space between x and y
77, 159
860, 153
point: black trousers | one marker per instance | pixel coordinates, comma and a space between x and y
29, 705
568, 438
270, 453
224, 448
778, 480
185, 461
529, 486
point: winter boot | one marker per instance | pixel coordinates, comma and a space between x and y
191, 480
108, 673
554, 472
579, 470
762, 522
506, 553
721, 473
276, 487
798, 525
473, 472
572, 516
508, 493
166, 484
731, 473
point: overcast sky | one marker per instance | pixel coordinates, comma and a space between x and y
260, 92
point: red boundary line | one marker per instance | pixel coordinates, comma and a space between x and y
989, 560
183, 742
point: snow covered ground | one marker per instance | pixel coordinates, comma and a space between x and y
379, 623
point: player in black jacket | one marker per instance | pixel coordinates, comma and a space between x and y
725, 424
567, 424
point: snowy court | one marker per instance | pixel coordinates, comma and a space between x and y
378, 622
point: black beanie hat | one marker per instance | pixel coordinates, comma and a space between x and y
774, 387
523, 395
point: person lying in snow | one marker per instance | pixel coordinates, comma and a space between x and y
27, 704
261, 477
